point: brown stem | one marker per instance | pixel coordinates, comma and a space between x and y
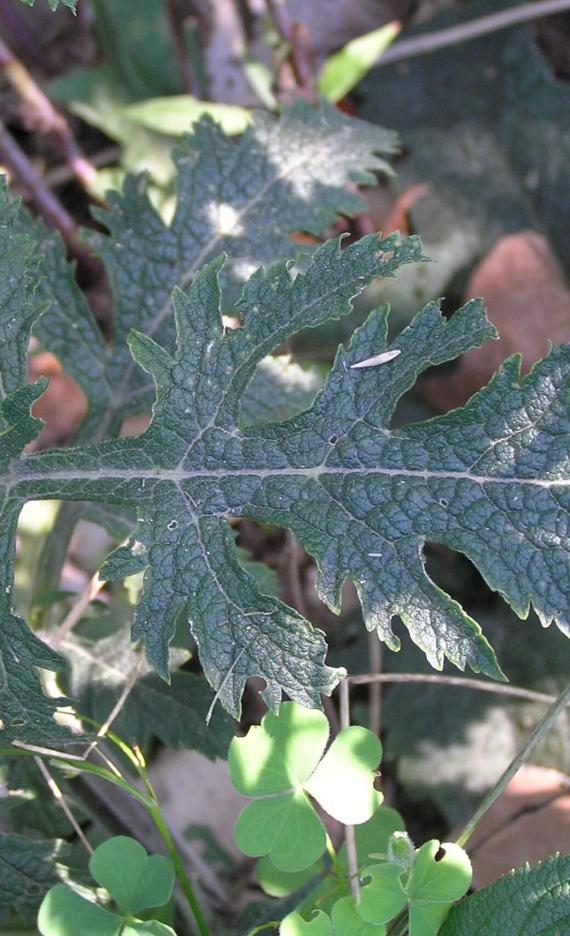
375, 655
46, 117
461, 682
302, 53
176, 26
46, 202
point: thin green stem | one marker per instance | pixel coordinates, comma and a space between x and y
273, 924
339, 874
401, 926
166, 836
523, 755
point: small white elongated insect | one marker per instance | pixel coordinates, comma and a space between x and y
378, 359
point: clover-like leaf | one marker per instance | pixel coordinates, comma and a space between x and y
295, 925
341, 782
436, 881
384, 896
278, 762
372, 839
136, 882
65, 913
440, 875
345, 922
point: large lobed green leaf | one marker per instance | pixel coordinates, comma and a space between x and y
489, 480
527, 902
283, 176
24, 708
28, 868
70, 4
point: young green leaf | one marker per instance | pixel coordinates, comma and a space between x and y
346, 68
439, 875
527, 902
136, 881
277, 762
295, 925
372, 838
174, 116
345, 922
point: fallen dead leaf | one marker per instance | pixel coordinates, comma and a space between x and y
530, 821
529, 304
63, 405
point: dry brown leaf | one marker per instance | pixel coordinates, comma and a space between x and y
528, 302
398, 219
529, 821
63, 405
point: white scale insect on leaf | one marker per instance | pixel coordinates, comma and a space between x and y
377, 359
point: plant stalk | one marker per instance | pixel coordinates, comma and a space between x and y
472, 29
536, 735
185, 884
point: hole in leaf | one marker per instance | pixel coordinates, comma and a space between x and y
440, 854
333, 439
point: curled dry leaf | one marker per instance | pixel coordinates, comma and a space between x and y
529, 304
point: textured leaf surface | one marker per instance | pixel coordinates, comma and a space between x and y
28, 868
24, 710
70, 4
176, 713
183, 540
245, 199
273, 183
490, 481
528, 902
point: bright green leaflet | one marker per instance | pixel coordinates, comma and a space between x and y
429, 890
65, 913
346, 68
527, 902
344, 921
136, 882
280, 762
175, 115
371, 838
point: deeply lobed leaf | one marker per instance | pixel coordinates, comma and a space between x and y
527, 902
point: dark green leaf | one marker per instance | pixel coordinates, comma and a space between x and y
527, 902
28, 868
176, 714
